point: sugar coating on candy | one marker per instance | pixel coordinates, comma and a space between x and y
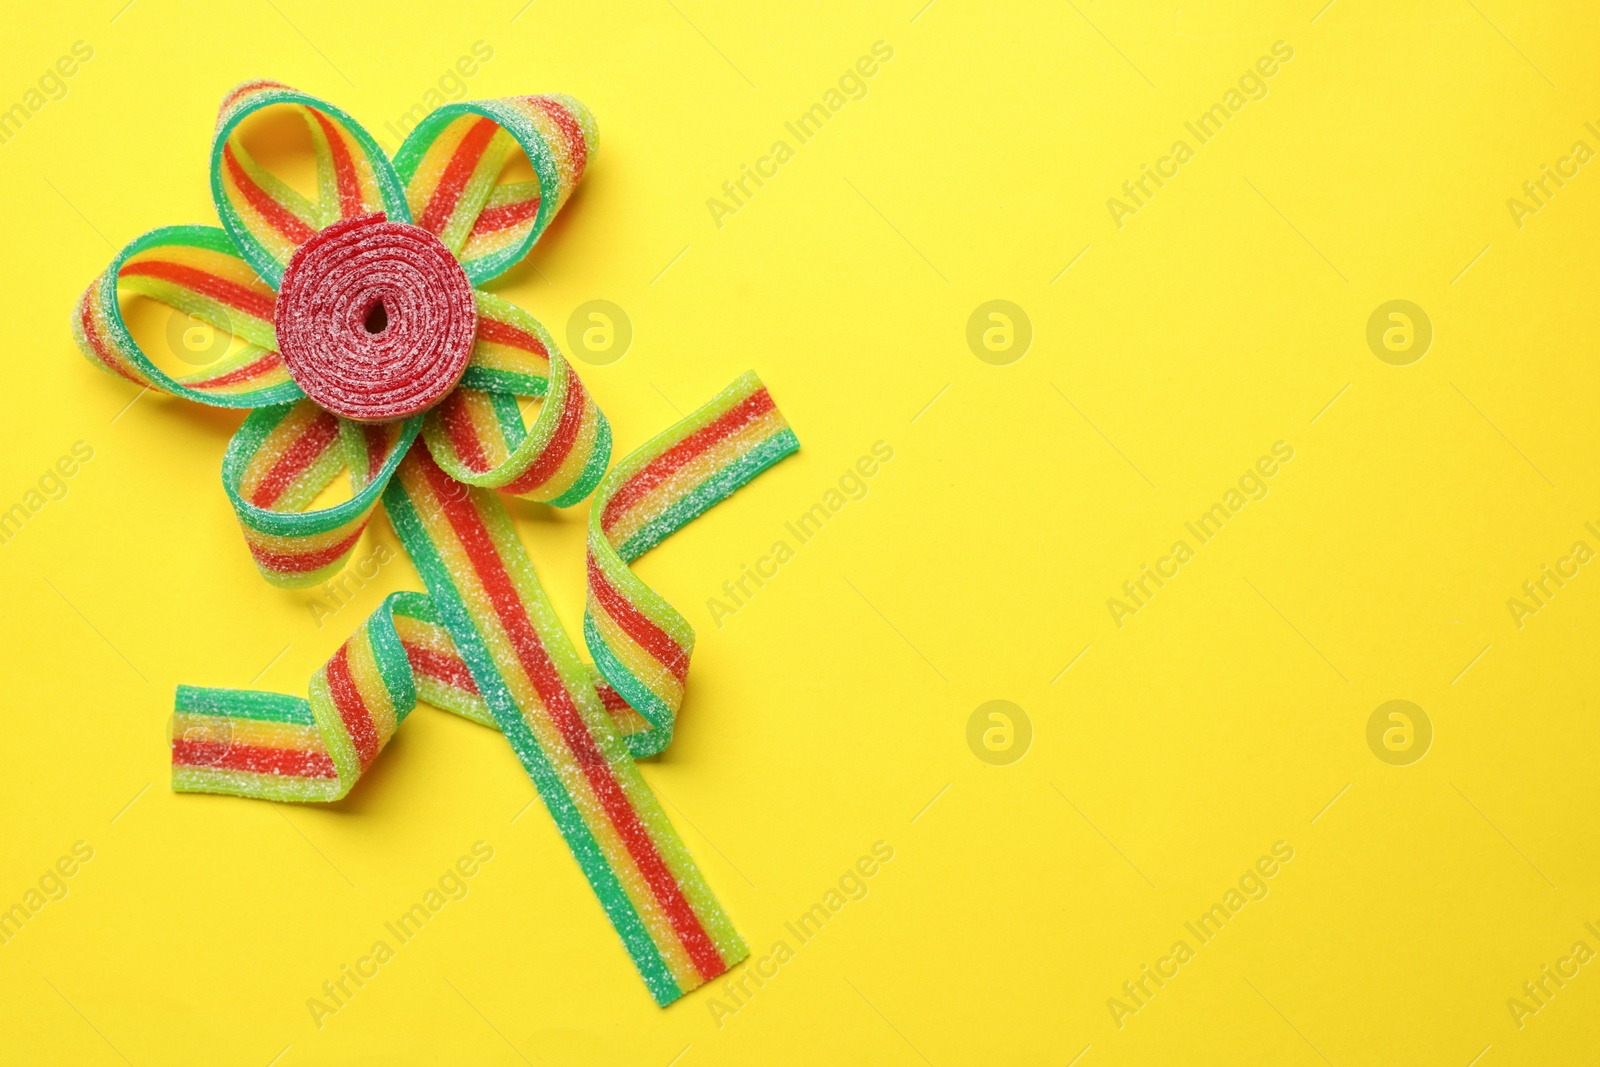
281, 459
451, 162
474, 435
642, 644
196, 270
375, 319
544, 698
376, 323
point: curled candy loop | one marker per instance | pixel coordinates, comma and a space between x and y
277, 464
478, 434
267, 217
640, 643
451, 163
197, 270
277, 747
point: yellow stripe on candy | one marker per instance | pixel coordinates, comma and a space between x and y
254, 732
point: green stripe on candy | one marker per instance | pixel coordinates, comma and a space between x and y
505, 381
656, 711
393, 666
208, 237
417, 606
509, 414
243, 704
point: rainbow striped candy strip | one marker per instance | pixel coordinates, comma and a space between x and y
640, 643
277, 464
484, 643
477, 432
578, 750
267, 218
195, 269
289, 450
275, 747
449, 164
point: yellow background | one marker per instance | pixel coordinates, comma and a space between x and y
829, 711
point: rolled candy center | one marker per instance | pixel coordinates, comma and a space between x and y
375, 319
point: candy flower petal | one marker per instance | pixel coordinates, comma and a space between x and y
197, 270
478, 435
450, 165
269, 219
278, 463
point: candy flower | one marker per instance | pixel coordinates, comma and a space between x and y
365, 346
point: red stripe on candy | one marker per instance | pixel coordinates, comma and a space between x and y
296, 459
288, 762
352, 709
456, 174
463, 517
440, 667
242, 297
505, 216
457, 418
243, 374
570, 130
92, 334
278, 216
344, 169
246, 89
504, 333
650, 637
659, 469
377, 442
303, 563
